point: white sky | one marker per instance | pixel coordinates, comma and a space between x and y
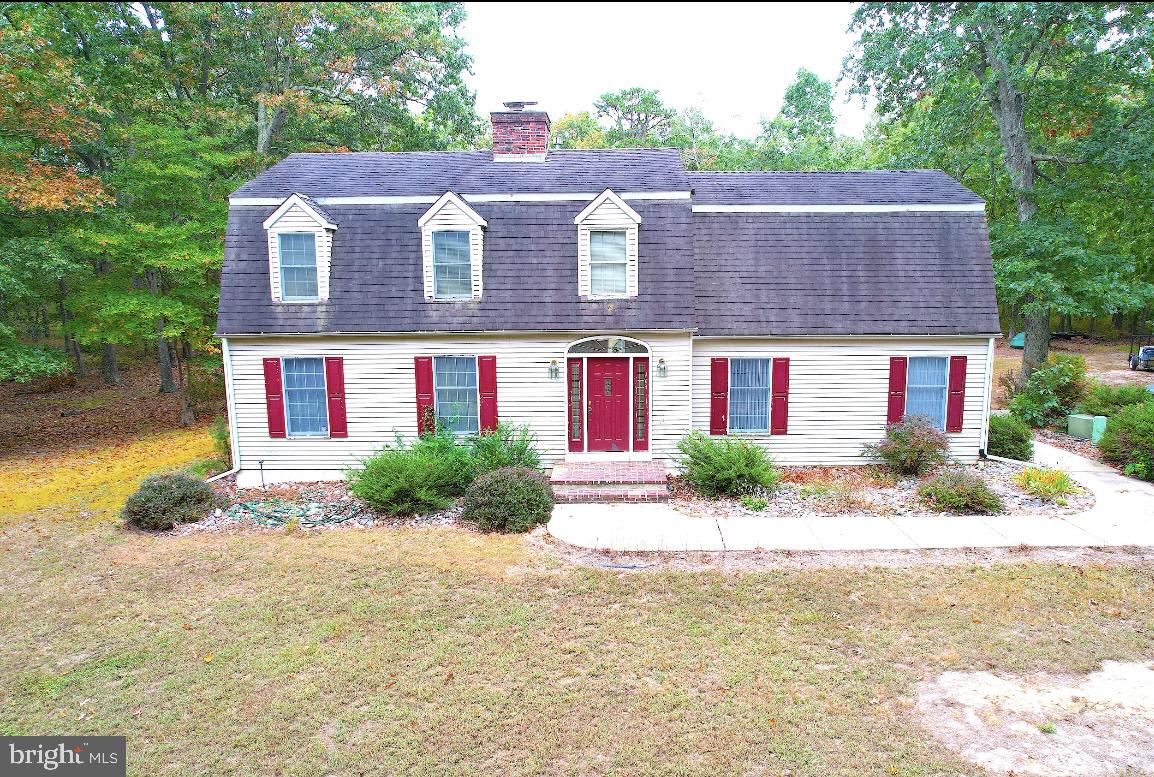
732, 60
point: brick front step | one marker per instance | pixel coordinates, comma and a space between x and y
609, 473
610, 493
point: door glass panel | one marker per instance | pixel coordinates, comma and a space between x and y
609, 387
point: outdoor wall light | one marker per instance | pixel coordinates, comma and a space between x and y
554, 370
662, 369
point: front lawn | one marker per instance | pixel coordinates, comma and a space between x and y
434, 651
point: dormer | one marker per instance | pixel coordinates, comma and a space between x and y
452, 247
300, 246
607, 248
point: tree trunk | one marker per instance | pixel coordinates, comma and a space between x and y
109, 370
1037, 329
267, 126
187, 411
70, 345
164, 357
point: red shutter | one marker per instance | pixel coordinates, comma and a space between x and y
640, 404
426, 414
274, 398
956, 401
897, 402
335, 381
719, 396
576, 400
779, 397
487, 388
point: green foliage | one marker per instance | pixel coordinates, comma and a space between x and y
512, 499
162, 501
221, 439
960, 491
24, 363
507, 446
911, 447
1052, 392
206, 468
1049, 484
1010, 438
1129, 440
754, 503
1107, 400
722, 466
411, 479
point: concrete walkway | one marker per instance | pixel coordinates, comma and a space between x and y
1123, 514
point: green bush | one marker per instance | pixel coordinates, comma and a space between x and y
162, 501
1129, 440
911, 446
512, 499
1010, 438
507, 446
960, 491
726, 467
1052, 392
220, 438
1106, 400
23, 363
754, 503
411, 479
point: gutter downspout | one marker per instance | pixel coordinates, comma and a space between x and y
234, 443
987, 400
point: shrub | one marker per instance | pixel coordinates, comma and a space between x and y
507, 446
1129, 440
23, 363
1048, 484
162, 501
513, 499
1103, 399
1010, 438
1052, 392
726, 467
912, 446
220, 438
754, 503
410, 479
960, 491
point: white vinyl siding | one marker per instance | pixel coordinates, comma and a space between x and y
380, 394
926, 384
455, 394
457, 279
605, 231
608, 263
452, 265
838, 392
749, 395
299, 222
298, 266
305, 400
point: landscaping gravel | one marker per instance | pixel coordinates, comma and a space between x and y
1068, 443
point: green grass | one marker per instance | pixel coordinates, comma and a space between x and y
441, 651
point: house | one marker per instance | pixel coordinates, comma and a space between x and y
609, 299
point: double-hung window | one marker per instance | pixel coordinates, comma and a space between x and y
305, 400
455, 393
926, 388
608, 263
749, 395
298, 266
452, 265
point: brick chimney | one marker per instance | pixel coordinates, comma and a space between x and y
520, 135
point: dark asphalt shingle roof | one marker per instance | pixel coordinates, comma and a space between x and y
432, 173
866, 187
320, 211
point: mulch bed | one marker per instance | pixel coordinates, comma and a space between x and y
1068, 443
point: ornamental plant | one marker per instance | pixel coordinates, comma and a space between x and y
1011, 438
1052, 392
510, 499
406, 479
960, 491
724, 466
162, 501
1129, 440
912, 446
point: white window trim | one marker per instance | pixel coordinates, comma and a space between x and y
945, 392
280, 267
450, 213
729, 398
607, 213
284, 394
322, 230
476, 373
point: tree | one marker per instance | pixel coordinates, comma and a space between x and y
803, 135
1043, 73
638, 116
578, 130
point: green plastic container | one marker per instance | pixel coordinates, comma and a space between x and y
1086, 427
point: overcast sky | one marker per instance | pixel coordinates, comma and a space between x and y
732, 60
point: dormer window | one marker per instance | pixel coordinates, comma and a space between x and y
607, 248
452, 245
300, 240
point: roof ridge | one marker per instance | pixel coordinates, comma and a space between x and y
817, 172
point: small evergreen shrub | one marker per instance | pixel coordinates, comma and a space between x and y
1103, 399
726, 467
412, 479
1052, 392
510, 499
1129, 440
754, 503
1010, 438
960, 491
162, 501
507, 446
1049, 484
912, 446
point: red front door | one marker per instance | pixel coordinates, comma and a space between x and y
608, 393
